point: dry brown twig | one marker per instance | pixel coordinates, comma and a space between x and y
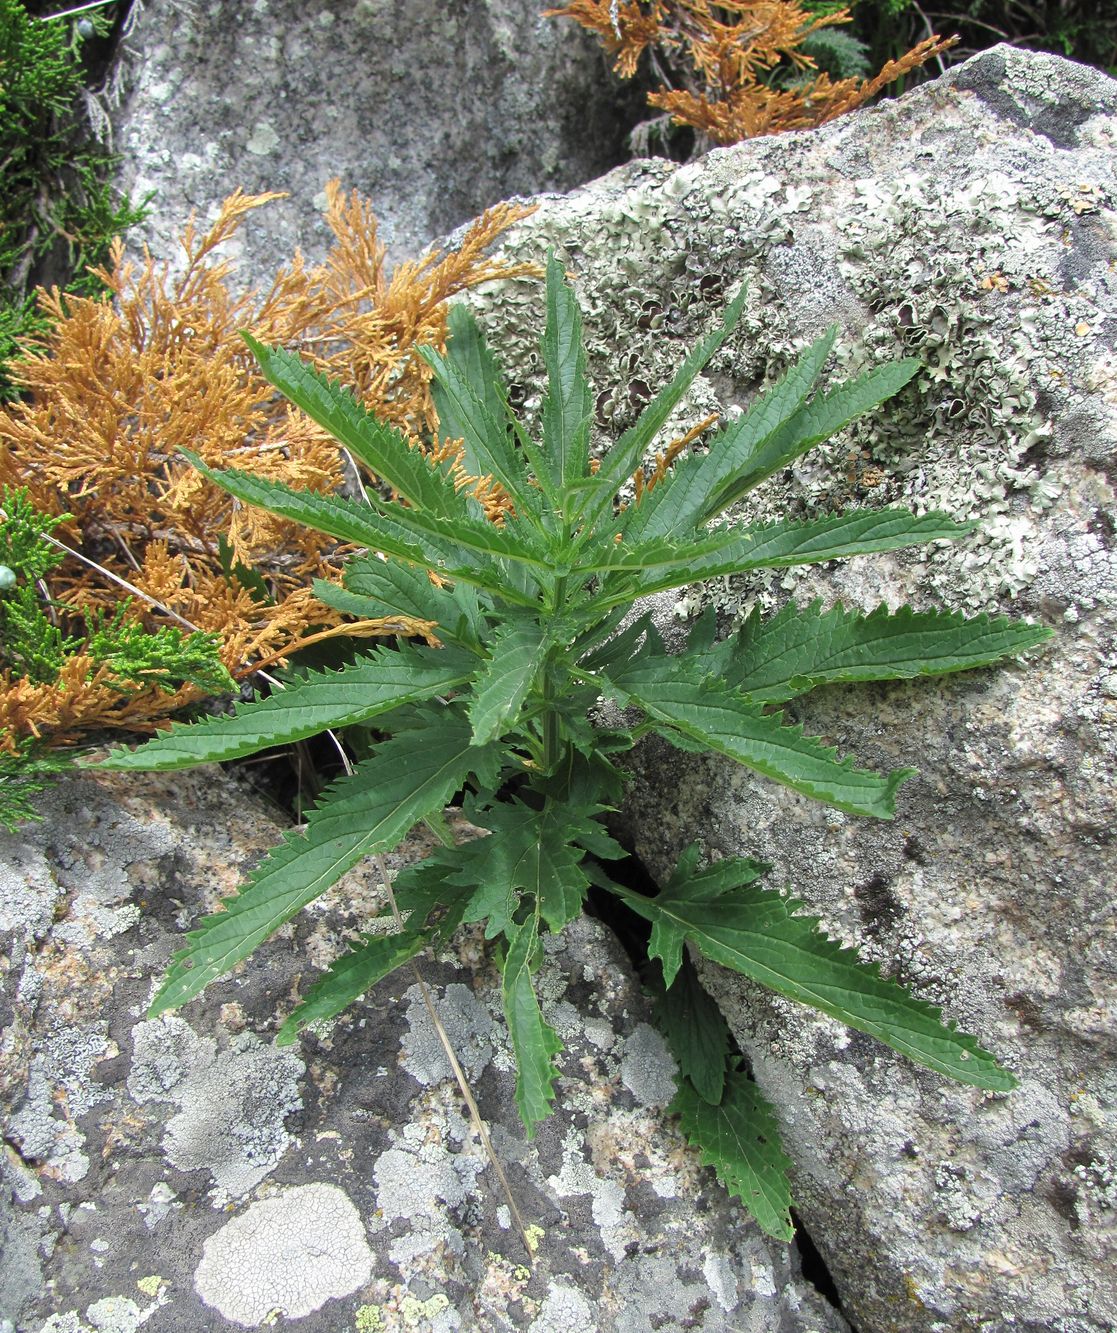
121, 385
721, 53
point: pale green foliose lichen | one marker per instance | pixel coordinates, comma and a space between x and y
991, 283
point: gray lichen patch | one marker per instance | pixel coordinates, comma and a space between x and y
28, 892
232, 1104
285, 1256
60, 1088
425, 1183
113, 1314
564, 1310
469, 1026
263, 140
110, 1314
77, 888
24, 1243
615, 1223
709, 1292
647, 1068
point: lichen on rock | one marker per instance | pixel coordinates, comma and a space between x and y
288, 1254
232, 1104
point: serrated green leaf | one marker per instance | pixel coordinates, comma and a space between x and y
707, 713
534, 1041
341, 518
757, 932
516, 653
800, 648
672, 564
377, 587
628, 452
495, 897
595, 632
536, 852
696, 1032
665, 942
740, 1139
676, 506
377, 683
591, 836
368, 812
348, 977
567, 404
353, 604
471, 405
703, 633
842, 536
675, 565
460, 548
383, 449
552, 868
813, 423
406, 590
427, 887
478, 368
250, 579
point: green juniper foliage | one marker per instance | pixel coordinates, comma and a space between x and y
24, 772
35, 648
58, 210
31, 644
166, 658
535, 624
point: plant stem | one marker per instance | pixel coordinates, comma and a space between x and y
551, 740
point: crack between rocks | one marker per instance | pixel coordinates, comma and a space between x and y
28, 1162
814, 1271
632, 933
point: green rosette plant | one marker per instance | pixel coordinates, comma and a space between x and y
537, 625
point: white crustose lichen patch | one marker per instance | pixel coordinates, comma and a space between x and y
289, 1254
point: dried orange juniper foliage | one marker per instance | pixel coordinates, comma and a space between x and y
720, 64
122, 384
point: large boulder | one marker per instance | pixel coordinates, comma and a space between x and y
184, 1173
971, 224
432, 110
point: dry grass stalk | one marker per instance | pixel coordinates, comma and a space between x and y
665, 458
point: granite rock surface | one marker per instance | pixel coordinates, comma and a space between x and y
185, 1175
972, 224
432, 110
